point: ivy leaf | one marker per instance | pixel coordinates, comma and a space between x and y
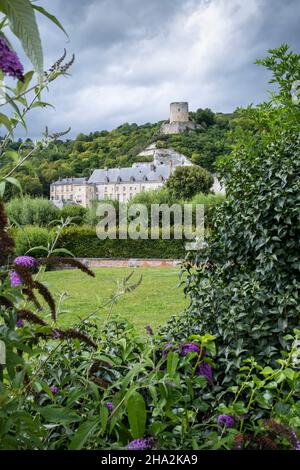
23, 24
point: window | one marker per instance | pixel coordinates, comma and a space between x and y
117, 188
124, 188
105, 189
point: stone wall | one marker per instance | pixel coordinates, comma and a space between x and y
177, 127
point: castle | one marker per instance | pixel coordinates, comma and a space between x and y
122, 184
179, 119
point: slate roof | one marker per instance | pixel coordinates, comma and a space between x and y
131, 174
70, 181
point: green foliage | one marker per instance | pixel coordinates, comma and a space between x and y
130, 371
245, 288
265, 392
152, 391
30, 237
77, 213
117, 148
187, 181
205, 145
204, 117
84, 243
38, 211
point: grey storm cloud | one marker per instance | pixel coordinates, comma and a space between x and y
133, 57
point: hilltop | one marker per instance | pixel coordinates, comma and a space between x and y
118, 148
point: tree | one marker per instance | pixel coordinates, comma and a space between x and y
186, 181
245, 289
205, 116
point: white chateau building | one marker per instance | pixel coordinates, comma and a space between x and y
120, 184
123, 184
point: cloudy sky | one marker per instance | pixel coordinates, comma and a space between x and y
133, 57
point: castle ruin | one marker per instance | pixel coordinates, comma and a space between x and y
179, 119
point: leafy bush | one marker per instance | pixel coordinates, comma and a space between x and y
137, 387
30, 237
245, 288
186, 181
77, 213
31, 211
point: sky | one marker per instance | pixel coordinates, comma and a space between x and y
134, 57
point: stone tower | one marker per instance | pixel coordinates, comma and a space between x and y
179, 112
179, 119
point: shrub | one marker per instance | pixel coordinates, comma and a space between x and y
77, 213
245, 288
186, 181
31, 211
91, 217
30, 237
161, 196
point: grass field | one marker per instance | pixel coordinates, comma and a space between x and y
151, 303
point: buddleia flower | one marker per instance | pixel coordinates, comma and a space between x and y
9, 61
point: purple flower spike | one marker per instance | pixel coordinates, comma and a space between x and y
15, 279
144, 443
205, 369
295, 441
226, 420
25, 261
110, 406
189, 347
9, 61
20, 323
54, 390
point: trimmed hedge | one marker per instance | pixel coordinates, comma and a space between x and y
84, 243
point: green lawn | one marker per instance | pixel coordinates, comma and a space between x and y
151, 303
